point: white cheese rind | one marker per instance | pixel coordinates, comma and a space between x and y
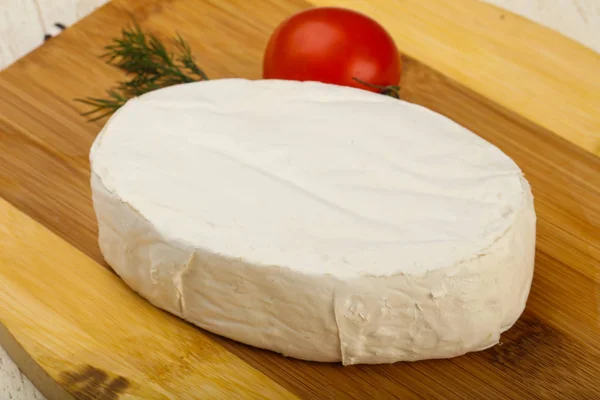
266, 212
447, 312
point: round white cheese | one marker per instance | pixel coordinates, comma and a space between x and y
322, 222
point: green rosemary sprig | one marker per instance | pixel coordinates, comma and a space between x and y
149, 65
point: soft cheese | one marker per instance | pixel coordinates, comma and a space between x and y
322, 222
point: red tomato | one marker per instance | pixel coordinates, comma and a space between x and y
332, 45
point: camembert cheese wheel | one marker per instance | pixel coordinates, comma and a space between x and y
322, 222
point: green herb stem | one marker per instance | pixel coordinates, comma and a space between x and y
149, 66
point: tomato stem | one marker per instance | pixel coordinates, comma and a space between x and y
392, 91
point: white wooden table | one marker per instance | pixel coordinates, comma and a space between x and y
25, 23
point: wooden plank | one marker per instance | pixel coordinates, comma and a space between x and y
95, 336
44, 171
526, 68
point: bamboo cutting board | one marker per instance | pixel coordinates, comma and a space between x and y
79, 332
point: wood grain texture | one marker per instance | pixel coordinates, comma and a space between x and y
554, 349
96, 337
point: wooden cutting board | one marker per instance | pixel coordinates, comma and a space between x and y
78, 332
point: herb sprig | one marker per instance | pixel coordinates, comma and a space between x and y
149, 65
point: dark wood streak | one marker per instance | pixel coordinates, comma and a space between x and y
535, 352
91, 383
